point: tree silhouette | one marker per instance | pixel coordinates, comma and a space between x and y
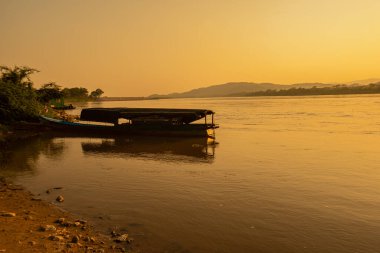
96, 93
17, 75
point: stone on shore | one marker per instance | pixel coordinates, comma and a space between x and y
60, 221
7, 214
75, 239
60, 198
47, 228
121, 238
56, 238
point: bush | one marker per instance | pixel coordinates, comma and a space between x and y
18, 100
17, 103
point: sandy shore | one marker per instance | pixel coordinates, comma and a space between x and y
29, 224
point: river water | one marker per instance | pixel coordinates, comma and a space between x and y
288, 174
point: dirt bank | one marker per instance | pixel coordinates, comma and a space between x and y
28, 224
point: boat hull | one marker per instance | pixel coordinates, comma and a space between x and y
190, 130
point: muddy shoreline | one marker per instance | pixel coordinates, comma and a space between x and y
30, 224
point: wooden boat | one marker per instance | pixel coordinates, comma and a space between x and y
140, 121
64, 107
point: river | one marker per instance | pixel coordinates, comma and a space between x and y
287, 174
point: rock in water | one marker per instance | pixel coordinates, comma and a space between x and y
60, 198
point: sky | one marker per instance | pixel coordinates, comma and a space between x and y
144, 47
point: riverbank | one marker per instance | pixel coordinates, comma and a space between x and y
30, 224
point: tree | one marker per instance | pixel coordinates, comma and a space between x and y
17, 75
48, 92
96, 93
76, 92
18, 100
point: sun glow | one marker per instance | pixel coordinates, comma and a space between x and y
136, 48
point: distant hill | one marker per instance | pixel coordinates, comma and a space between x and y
236, 89
120, 98
373, 88
365, 81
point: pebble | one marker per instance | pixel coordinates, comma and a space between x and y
28, 217
81, 221
60, 221
56, 238
122, 238
114, 233
60, 198
75, 239
67, 224
7, 214
32, 243
48, 228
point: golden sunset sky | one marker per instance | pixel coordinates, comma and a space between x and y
138, 47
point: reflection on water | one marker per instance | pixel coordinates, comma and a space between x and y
290, 175
22, 155
166, 149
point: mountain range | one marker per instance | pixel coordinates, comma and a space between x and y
242, 88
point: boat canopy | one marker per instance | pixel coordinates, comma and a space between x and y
112, 115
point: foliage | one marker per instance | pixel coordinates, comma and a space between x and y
17, 75
48, 92
76, 92
96, 93
373, 88
18, 100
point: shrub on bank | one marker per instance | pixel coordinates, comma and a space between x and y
18, 100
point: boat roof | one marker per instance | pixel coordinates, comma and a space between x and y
111, 115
